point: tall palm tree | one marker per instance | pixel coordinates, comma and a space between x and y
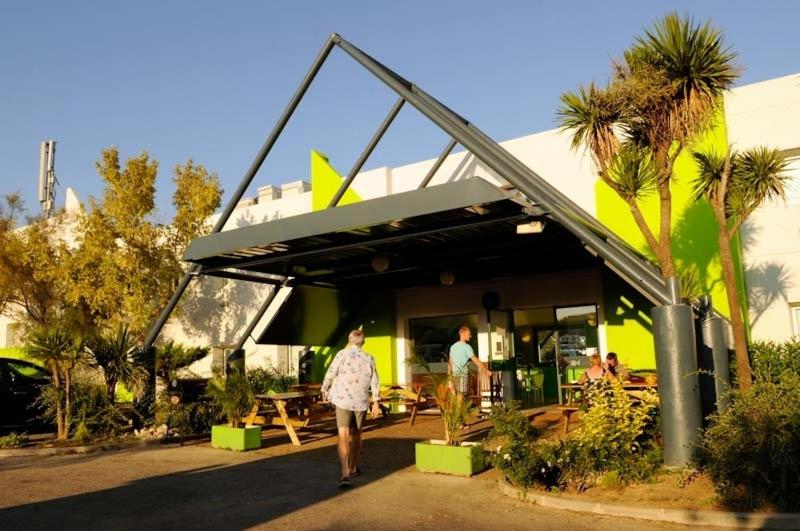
667, 88
736, 184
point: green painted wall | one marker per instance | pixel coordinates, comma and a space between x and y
325, 181
377, 319
694, 246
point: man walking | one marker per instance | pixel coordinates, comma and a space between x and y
350, 378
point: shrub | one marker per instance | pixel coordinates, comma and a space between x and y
617, 436
13, 440
186, 417
771, 359
751, 451
233, 395
268, 379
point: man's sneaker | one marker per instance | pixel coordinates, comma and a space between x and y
344, 483
356, 473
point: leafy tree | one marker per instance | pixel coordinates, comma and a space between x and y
665, 90
126, 265
736, 184
173, 356
114, 353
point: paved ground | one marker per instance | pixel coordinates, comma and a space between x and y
277, 487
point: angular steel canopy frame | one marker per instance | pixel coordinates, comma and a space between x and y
556, 205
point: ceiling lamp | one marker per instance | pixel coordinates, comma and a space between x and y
532, 227
447, 278
380, 262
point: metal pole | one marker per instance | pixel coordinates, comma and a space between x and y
436, 165
246, 180
259, 314
516, 173
367, 151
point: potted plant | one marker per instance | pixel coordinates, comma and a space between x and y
234, 398
450, 455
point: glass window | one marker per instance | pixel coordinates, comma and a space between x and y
578, 330
431, 337
796, 319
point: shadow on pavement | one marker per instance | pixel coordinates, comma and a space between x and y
224, 497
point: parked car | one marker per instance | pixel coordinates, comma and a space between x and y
21, 384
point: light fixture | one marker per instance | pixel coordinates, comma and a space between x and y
380, 262
531, 227
591, 321
526, 337
447, 278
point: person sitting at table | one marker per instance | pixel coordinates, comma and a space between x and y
614, 367
347, 385
595, 372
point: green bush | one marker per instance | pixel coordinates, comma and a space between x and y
233, 396
770, 359
91, 414
186, 418
751, 451
268, 379
13, 440
617, 435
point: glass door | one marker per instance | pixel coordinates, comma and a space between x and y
501, 351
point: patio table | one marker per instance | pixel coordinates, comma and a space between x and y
294, 410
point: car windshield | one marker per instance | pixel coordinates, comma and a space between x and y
28, 370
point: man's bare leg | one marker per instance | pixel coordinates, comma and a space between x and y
344, 451
355, 449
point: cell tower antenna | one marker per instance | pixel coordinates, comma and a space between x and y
47, 176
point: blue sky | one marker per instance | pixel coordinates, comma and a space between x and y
207, 80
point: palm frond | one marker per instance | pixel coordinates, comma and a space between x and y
633, 172
590, 115
696, 62
710, 166
761, 175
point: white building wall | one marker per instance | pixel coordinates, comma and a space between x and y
768, 113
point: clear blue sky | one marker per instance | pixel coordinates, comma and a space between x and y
207, 80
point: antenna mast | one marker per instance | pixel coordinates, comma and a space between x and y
47, 176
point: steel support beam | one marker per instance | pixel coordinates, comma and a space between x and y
516, 173
367, 152
438, 164
258, 316
155, 329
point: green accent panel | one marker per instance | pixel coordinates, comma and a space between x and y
629, 328
377, 319
455, 460
550, 385
239, 439
325, 181
694, 245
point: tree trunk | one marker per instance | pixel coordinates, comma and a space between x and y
666, 262
111, 388
59, 409
67, 402
743, 371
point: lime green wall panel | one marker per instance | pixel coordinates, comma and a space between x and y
325, 181
629, 329
377, 320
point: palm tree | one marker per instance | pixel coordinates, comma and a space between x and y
667, 88
62, 350
736, 184
113, 352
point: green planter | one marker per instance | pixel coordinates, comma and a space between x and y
240, 439
435, 456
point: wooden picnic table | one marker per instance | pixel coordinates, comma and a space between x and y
409, 395
293, 408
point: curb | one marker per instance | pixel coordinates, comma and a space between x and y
677, 516
85, 449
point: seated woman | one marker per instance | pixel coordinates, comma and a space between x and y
595, 372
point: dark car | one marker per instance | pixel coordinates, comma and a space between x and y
21, 384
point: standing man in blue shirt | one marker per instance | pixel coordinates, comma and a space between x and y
461, 354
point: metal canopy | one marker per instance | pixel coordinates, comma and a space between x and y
465, 227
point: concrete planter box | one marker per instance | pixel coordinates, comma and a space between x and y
435, 456
239, 439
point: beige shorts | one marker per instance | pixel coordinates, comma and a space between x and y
348, 419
